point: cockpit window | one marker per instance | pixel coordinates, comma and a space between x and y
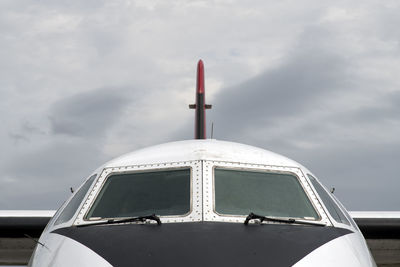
239, 192
163, 193
333, 209
72, 206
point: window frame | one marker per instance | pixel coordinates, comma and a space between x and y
210, 213
100, 193
346, 213
335, 202
51, 224
194, 213
267, 172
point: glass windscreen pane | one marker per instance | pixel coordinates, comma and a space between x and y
240, 192
343, 209
74, 203
333, 209
137, 194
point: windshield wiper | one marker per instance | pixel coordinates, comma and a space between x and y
253, 216
132, 219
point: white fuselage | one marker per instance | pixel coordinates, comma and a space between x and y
205, 234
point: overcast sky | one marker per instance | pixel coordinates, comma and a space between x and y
82, 82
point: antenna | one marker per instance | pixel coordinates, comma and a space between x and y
36, 241
200, 106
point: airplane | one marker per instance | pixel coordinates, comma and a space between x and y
202, 202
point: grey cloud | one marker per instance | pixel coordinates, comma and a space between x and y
386, 106
364, 175
42, 177
17, 138
88, 114
366, 124
25, 133
30, 128
294, 87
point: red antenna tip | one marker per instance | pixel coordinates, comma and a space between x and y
200, 77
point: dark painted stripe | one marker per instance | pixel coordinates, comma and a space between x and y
202, 243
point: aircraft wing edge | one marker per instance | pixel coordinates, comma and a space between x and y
378, 224
18, 223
